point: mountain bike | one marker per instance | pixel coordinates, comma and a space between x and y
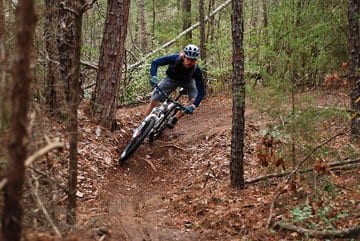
153, 124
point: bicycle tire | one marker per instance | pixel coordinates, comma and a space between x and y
136, 141
163, 125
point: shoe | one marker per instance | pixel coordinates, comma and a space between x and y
172, 122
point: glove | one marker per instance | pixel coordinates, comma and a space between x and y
189, 109
153, 81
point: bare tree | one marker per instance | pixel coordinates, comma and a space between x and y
238, 90
186, 17
11, 220
354, 66
110, 63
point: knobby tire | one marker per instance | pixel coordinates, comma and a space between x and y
135, 142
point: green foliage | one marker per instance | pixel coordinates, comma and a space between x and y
322, 217
92, 29
136, 87
300, 214
304, 40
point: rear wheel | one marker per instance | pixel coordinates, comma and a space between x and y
136, 141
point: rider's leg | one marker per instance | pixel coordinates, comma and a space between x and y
150, 106
167, 85
191, 90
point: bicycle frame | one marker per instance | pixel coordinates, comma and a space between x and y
153, 124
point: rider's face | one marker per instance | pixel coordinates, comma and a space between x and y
188, 63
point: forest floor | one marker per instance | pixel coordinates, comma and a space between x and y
178, 188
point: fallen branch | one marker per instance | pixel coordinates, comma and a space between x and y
341, 233
150, 163
278, 190
36, 155
173, 146
332, 165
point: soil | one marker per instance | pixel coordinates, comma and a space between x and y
178, 188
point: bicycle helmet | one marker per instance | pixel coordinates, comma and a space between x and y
191, 51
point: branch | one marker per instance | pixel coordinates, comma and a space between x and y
150, 164
42, 207
36, 155
278, 190
332, 165
342, 233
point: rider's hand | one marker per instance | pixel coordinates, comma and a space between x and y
189, 109
153, 81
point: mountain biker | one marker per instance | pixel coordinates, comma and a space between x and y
183, 71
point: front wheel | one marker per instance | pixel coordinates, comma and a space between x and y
136, 140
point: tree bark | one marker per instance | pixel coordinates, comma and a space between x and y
65, 41
11, 220
72, 61
110, 62
354, 66
238, 91
3, 65
203, 39
142, 23
186, 18
54, 90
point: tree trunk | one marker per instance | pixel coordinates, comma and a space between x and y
238, 89
11, 220
54, 91
110, 62
211, 25
186, 17
203, 39
142, 23
65, 40
3, 65
153, 22
354, 66
71, 59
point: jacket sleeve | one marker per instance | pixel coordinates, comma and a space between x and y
198, 76
166, 60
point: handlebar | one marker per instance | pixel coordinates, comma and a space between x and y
167, 97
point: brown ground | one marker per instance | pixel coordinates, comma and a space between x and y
178, 187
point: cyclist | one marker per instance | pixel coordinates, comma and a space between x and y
183, 71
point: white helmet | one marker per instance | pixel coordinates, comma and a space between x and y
191, 51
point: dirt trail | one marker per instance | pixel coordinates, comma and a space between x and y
135, 199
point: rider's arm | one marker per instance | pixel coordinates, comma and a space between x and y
166, 60
200, 86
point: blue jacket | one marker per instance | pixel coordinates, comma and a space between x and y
177, 71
